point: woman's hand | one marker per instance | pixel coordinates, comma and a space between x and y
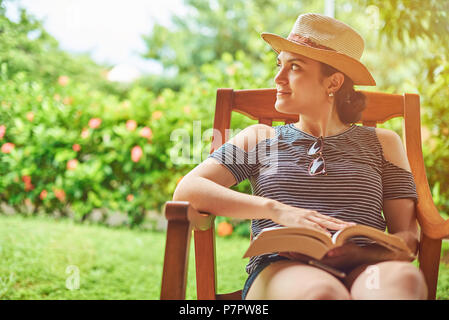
297, 217
346, 255
350, 255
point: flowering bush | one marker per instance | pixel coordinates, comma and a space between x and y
72, 149
67, 148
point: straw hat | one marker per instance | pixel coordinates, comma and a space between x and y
326, 40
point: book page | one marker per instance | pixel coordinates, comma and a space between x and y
319, 235
391, 241
283, 243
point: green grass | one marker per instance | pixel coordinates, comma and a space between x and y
35, 254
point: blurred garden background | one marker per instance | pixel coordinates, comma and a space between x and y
87, 159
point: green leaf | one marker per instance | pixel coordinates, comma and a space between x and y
64, 155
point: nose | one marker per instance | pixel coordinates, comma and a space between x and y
281, 77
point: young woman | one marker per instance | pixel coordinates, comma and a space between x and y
329, 173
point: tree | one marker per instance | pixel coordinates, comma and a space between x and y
25, 46
213, 28
421, 30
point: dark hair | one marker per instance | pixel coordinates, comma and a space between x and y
350, 103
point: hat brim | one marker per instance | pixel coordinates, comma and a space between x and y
353, 68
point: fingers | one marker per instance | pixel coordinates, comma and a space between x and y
329, 222
316, 226
310, 219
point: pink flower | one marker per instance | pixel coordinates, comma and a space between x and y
157, 115
63, 80
76, 147
85, 133
43, 194
67, 100
60, 194
187, 109
28, 185
130, 197
146, 132
94, 123
26, 179
8, 147
2, 131
131, 125
72, 164
136, 153
30, 116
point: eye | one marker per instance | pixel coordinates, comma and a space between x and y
293, 66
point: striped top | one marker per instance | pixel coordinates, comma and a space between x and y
358, 176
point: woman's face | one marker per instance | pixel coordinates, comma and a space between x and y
299, 83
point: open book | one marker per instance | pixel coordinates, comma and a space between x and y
315, 244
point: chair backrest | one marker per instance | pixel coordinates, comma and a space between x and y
259, 105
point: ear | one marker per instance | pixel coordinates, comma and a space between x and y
335, 81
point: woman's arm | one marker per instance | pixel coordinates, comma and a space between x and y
206, 187
400, 214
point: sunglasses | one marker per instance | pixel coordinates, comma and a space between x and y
317, 166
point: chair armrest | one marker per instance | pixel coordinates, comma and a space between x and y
184, 211
182, 217
430, 220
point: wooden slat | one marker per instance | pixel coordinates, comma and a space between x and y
259, 104
381, 107
429, 262
205, 263
222, 118
266, 121
174, 276
429, 218
370, 123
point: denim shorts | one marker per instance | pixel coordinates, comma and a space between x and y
262, 265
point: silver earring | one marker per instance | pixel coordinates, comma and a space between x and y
331, 94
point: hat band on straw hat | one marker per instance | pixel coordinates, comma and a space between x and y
306, 41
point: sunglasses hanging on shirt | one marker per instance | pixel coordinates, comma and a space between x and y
318, 165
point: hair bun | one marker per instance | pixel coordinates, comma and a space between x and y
357, 100
350, 104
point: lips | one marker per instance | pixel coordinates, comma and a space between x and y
283, 93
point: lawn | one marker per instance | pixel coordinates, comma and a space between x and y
41, 257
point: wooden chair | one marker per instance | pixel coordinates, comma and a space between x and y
259, 105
